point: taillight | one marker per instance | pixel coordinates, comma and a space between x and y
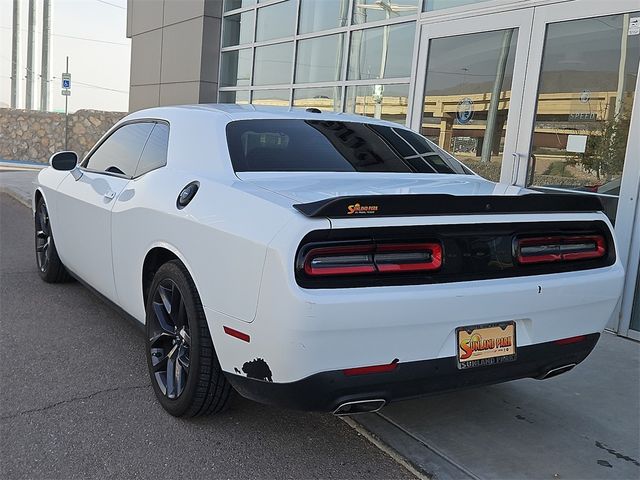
372, 258
559, 248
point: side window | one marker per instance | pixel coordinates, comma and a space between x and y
121, 151
155, 151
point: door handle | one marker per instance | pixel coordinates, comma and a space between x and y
110, 195
516, 167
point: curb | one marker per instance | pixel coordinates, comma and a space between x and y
387, 449
18, 197
423, 460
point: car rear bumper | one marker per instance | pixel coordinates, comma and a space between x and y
325, 391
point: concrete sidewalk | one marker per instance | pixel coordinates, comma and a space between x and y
19, 184
584, 424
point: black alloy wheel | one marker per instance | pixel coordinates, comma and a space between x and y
43, 237
185, 372
50, 266
169, 341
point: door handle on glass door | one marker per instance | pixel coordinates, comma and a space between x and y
516, 167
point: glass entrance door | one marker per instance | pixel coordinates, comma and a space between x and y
473, 82
580, 89
576, 129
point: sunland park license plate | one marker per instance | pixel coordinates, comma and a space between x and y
481, 345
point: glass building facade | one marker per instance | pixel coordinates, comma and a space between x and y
334, 55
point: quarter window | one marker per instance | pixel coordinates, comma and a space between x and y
121, 151
155, 151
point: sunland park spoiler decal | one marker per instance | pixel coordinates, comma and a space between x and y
444, 204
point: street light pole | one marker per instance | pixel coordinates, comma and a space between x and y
15, 40
66, 114
44, 71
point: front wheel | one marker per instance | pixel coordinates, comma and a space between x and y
183, 366
50, 266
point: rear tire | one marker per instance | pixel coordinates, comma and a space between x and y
50, 266
185, 372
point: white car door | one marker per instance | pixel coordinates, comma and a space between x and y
83, 223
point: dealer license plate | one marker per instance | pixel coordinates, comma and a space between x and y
490, 344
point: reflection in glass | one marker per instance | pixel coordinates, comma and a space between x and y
387, 102
586, 91
373, 10
319, 59
274, 98
324, 98
467, 93
233, 4
430, 5
273, 64
237, 29
276, 21
316, 15
235, 68
240, 97
382, 52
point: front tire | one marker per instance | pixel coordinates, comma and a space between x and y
50, 266
185, 372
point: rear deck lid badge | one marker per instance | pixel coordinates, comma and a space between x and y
358, 209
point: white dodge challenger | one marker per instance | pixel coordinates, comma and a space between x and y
321, 261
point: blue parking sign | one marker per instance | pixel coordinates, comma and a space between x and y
66, 80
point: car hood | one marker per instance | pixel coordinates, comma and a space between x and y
309, 187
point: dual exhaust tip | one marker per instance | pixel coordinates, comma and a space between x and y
557, 371
359, 406
373, 405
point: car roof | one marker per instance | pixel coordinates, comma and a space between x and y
234, 112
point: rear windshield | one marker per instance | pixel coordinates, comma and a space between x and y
328, 146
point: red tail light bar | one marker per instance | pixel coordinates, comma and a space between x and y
559, 248
373, 258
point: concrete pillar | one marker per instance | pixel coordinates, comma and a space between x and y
175, 50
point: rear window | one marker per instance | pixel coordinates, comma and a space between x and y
328, 146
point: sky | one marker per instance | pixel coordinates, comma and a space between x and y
99, 53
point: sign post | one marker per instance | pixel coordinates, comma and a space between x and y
66, 91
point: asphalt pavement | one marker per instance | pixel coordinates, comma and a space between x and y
75, 398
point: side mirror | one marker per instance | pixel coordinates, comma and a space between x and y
66, 161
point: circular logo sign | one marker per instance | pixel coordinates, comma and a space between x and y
465, 110
585, 96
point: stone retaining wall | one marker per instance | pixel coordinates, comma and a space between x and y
34, 136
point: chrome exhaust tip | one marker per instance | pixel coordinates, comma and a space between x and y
360, 406
557, 371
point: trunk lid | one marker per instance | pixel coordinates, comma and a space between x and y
307, 187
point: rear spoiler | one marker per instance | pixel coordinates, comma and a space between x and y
444, 204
